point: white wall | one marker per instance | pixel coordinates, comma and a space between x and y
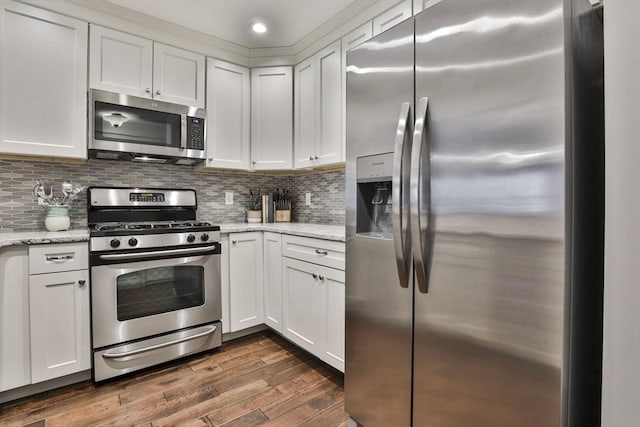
621, 376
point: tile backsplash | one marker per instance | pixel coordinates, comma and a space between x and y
19, 210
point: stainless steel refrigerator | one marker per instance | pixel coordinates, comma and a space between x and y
474, 217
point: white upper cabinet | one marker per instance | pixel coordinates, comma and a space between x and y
228, 115
304, 113
124, 63
43, 82
120, 62
329, 112
318, 109
351, 40
271, 118
178, 76
393, 16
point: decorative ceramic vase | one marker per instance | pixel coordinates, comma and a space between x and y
254, 216
57, 218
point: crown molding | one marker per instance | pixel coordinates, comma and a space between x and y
119, 18
122, 19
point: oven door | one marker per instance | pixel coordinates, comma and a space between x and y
133, 298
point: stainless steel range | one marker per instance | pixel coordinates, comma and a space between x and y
155, 274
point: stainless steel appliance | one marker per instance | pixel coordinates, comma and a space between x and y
124, 127
155, 275
480, 302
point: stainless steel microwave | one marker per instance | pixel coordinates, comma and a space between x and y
124, 127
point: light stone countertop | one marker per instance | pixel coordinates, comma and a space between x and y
318, 231
38, 237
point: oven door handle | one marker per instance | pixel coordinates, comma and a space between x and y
158, 346
188, 251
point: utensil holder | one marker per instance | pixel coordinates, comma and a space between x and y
283, 216
57, 218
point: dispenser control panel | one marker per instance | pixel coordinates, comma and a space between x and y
378, 167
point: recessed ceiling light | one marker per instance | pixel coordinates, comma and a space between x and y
259, 27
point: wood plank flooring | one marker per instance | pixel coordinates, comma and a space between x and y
257, 380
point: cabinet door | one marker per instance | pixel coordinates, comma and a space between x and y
59, 316
271, 118
120, 62
273, 280
392, 16
178, 76
15, 365
351, 40
305, 305
328, 114
43, 82
304, 113
225, 287
245, 280
334, 352
228, 107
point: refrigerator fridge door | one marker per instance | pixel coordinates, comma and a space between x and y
488, 335
378, 332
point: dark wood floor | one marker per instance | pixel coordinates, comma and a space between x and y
257, 380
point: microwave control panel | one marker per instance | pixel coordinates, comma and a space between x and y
195, 133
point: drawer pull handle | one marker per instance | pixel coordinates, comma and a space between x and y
319, 252
315, 276
59, 258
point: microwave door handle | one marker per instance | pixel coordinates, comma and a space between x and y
183, 131
421, 198
401, 239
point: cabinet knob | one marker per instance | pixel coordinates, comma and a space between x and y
321, 277
233, 242
82, 283
316, 157
310, 157
315, 276
211, 159
253, 162
157, 92
147, 90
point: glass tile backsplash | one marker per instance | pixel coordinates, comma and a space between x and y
19, 210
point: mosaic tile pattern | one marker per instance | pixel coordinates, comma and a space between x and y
19, 210
327, 198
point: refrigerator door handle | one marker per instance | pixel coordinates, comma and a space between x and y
420, 198
401, 239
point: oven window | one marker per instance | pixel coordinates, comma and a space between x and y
136, 125
159, 290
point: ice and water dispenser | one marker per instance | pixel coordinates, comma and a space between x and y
373, 178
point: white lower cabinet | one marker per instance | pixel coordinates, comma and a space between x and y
246, 303
313, 303
305, 305
59, 317
15, 369
273, 280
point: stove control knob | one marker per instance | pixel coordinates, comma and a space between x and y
114, 243
191, 238
204, 237
133, 241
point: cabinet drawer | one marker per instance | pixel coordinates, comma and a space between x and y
317, 251
57, 257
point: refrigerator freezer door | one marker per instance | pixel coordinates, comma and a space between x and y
378, 308
488, 335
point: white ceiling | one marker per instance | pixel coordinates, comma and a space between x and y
288, 20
